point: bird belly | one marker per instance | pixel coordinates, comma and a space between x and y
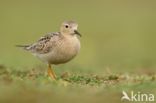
63, 52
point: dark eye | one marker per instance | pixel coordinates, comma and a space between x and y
66, 26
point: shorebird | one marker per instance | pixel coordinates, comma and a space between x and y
57, 47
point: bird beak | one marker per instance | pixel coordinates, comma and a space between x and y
76, 32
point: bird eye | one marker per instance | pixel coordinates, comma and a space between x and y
66, 26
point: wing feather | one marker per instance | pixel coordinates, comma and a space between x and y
44, 44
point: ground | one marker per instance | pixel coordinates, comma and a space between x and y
34, 86
118, 51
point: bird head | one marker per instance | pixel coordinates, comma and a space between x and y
69, 28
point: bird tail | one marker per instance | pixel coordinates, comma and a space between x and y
23, 46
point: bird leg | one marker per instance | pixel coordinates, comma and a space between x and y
51, 72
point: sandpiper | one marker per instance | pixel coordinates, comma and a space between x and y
57, 47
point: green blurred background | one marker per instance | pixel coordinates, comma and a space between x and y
117, 34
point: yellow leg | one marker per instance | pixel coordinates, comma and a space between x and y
51, 72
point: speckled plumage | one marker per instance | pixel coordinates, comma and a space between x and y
43, 45
57, 47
